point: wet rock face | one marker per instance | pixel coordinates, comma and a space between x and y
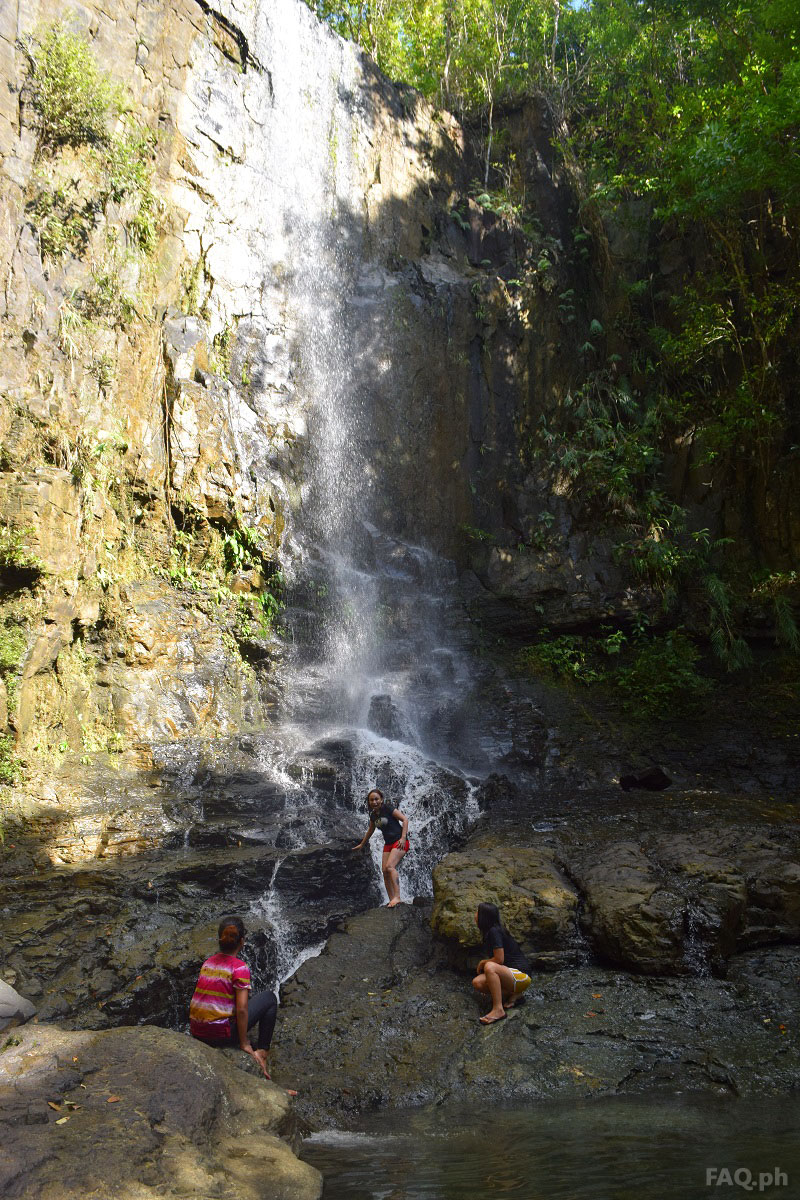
399, 1027
667, 903
630, 918
538, 904
120, 939
385, 718
154, 1107
123, 942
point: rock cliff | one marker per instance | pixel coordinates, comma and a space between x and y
163, 356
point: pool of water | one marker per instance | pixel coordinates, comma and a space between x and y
608, 1149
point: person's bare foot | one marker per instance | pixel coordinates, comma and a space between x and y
394, 903
261, 1057
491, 1017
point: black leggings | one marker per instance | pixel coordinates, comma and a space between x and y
262, 1009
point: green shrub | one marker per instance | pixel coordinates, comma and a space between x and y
74, 101
8, 763
662, 677
14, 554
63, 221
652, 677
78, 105
128, 165
569, 656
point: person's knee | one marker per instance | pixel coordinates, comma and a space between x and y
477, 982
490, 968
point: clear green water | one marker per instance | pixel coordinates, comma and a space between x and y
594, 1150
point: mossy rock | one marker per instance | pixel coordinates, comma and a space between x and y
536, 904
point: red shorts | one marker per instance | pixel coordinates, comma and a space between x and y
395, 846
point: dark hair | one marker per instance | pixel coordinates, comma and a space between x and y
374, 792
488, 915
230, 933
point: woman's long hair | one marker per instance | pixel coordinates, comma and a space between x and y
488, 915
230, 933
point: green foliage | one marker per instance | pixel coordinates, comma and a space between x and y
74, 101
773, 587
662, 677
82, 315
222, 351
9, 764
13, 643
14, 554
649, 677
569, 656
256, 615
63, 220
104, 299
79, 107
475, 534
241, 548
128, 164
606, 447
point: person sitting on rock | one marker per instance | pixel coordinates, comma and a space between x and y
221, 1010
394, 826
505, 974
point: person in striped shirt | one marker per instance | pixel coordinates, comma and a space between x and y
222, 1010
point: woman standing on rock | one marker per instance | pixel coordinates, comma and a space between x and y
221, 1009
504, 974
394, 826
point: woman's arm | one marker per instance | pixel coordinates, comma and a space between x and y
401, 817
366, 837
242, 996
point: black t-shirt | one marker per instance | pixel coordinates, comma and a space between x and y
499, 938
389, 826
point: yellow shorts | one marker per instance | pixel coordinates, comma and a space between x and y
521, 981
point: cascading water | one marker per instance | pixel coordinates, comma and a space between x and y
376, 689
377, 677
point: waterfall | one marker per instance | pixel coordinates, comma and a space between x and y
377, 690
378, 674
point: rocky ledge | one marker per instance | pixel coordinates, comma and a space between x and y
664, 935
396, 1025
141, 1113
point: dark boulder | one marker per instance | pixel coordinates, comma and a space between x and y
651, 780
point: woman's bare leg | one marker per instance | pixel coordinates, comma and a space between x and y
390, 877
499, 982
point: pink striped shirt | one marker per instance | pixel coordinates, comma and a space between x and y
213, 1005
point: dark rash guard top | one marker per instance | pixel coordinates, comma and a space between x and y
389, 825
499, 938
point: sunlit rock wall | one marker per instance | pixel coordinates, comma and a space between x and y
273, 137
